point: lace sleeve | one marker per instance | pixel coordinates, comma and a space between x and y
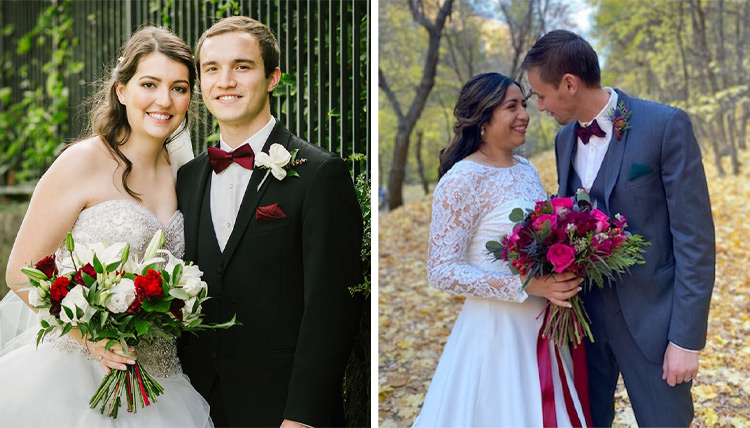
458, 207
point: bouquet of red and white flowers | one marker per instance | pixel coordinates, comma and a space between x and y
108, 294
568, 235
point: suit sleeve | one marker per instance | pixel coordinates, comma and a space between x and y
331, 239
692, 228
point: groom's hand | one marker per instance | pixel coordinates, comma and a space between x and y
291, 424
555, 288
680, 365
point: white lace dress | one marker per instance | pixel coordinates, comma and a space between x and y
488, 373
50, 386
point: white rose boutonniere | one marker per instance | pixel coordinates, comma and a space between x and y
279, 162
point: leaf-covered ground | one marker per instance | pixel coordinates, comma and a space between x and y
415, 319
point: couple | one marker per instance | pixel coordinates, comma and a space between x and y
278, 253
648, 326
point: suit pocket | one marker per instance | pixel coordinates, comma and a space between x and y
642, 180
272, 224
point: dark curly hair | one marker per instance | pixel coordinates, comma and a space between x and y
476, 103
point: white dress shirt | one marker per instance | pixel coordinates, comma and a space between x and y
228, 187
588, 158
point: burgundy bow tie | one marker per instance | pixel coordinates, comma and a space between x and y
220, 160
585, 133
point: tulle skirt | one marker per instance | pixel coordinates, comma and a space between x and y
50, 386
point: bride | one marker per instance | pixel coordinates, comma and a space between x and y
489, 373
117, 186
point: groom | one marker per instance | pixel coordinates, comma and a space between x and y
640, 159
278, 252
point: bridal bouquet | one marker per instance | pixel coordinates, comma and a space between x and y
568, 235
108, 294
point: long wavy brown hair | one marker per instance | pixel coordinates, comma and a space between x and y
108, 118
475, 105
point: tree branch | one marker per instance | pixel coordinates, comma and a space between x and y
383, 84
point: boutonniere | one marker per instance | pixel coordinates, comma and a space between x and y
619, 116
279, 162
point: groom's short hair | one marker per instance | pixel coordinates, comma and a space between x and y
269, 46
560, 52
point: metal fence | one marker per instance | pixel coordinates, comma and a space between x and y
325, 54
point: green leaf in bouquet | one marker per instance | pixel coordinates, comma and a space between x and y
228, 324
516, 215
103, 319
177, 273
195, 322
34, 274
112, 266
123, 344
87, 279
66, 329
40, 336
179, 293
513, 269
83, 329
142, 327
68, 312
493, 246
70, 245
581, 195
131, 276
79, 311
44, 323
153, 266
165, 279
160, 305
161, 334
110, 344
98, 265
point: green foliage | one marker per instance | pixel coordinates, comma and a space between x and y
31, 129
363, 189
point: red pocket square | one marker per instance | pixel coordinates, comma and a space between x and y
269, 212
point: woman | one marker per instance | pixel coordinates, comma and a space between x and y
488, 374
116, 186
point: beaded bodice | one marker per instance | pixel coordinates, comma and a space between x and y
127, 221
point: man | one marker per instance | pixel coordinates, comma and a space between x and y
640, 159
279, 252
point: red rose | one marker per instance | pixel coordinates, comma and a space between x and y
559, 204
59, 288
561, 256
175, 308
88, 270
47, 266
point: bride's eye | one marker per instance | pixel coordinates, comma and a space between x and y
148, 85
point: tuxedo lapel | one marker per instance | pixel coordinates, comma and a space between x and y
192, 210
566, 153
252, 196
615, 154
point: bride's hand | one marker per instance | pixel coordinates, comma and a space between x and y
557, 289
109, 359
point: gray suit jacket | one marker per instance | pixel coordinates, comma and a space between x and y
655, 178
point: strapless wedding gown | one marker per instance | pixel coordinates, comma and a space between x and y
488, 374
51, 385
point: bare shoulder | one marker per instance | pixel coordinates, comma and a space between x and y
89, 154
81, 164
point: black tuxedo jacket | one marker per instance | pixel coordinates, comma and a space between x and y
287, 280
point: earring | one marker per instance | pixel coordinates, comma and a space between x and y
481, 132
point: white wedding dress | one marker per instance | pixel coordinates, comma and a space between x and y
51, 385
488, 374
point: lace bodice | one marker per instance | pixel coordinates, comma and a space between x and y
127, 221
471, 206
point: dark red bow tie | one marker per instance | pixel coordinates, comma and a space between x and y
585, 133
220, 160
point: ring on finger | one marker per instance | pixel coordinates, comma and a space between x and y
101, 357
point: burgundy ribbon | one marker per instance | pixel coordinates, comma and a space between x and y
580, 380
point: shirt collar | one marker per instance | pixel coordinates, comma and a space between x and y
256, 141
605, 123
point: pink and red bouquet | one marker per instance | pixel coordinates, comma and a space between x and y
569, 235
107, 293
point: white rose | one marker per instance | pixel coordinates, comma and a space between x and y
275, 160
75, 299
121, 296
193, 286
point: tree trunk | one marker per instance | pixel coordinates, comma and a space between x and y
398, 166
420, 165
